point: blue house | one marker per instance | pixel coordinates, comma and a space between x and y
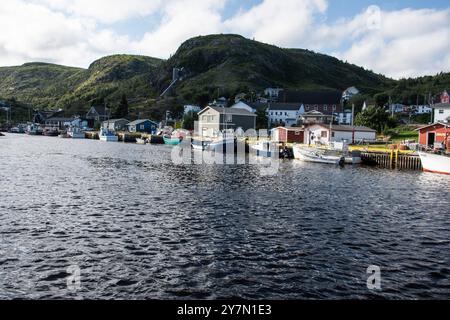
144, 125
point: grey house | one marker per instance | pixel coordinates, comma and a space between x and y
214, 119
144, 125
99, 113
116, 124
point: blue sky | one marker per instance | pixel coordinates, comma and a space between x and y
401, 38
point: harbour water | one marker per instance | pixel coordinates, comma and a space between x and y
139, 227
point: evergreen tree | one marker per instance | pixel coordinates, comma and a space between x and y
122, 110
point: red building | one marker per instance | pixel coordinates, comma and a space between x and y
435, 133
288, 135
445, 97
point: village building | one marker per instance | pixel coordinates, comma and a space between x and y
272, 93
143, 126
213, 120
284, 114
320, 133
326, 102
345, 117
98, 113
442, 112
436, 135
116, 124
288, 135
58, 122
42, 115
315, 117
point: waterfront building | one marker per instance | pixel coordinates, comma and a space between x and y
315, 117
144, 126
41, 116
115, 124
58, 122
98, 113
435, 135
288, 135
213, 119
322, 133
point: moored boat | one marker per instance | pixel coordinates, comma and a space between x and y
313, 155
172, 141
435, 163
34, 130
265, 149
51, 132
76, 133
198, 144
107, 136
141, 141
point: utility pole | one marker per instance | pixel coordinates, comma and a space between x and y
353, 123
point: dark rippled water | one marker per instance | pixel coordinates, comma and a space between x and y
141, 228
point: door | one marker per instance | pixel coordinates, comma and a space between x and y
431, 138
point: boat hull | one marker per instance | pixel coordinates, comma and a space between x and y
435, 163
172, 141
77, 135
109, 138
307, 156
222, 146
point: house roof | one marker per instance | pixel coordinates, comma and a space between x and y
137, 122
434, 124
101, 110
442, 106
347, 128
311, 97
240, 112
60, 119
289, 129
284, 106
115, 120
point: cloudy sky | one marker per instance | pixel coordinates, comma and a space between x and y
399, 38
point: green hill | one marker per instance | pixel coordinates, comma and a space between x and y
213, 65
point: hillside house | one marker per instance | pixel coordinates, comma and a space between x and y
213, 120
116, 124
284, 114
143, 126
191, 108
326, 102
99, 113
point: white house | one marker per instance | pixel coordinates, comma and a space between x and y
345, 117
272, 92
191, 108
442, 112
320, 133
422, 109
285, 113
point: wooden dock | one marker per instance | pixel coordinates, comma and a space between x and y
394, 160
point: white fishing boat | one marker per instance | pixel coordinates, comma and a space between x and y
314, 155
107, 136
436, 163
141, 141
76, 133
225, 144
199, 144
265, 149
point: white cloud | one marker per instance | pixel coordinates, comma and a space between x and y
76, 32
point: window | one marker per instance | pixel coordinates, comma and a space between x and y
297, 133
204, 118
325, 107
228, 118
324, 134
441, 111
142, 127
333, 134
286, 114
334, 108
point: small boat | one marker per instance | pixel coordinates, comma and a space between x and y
313, 155
141, 141
34, 130
17, 130
76, 133
107, 136
435, 163
64, 135
172, 140
202, 145
51, 132
265, 149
